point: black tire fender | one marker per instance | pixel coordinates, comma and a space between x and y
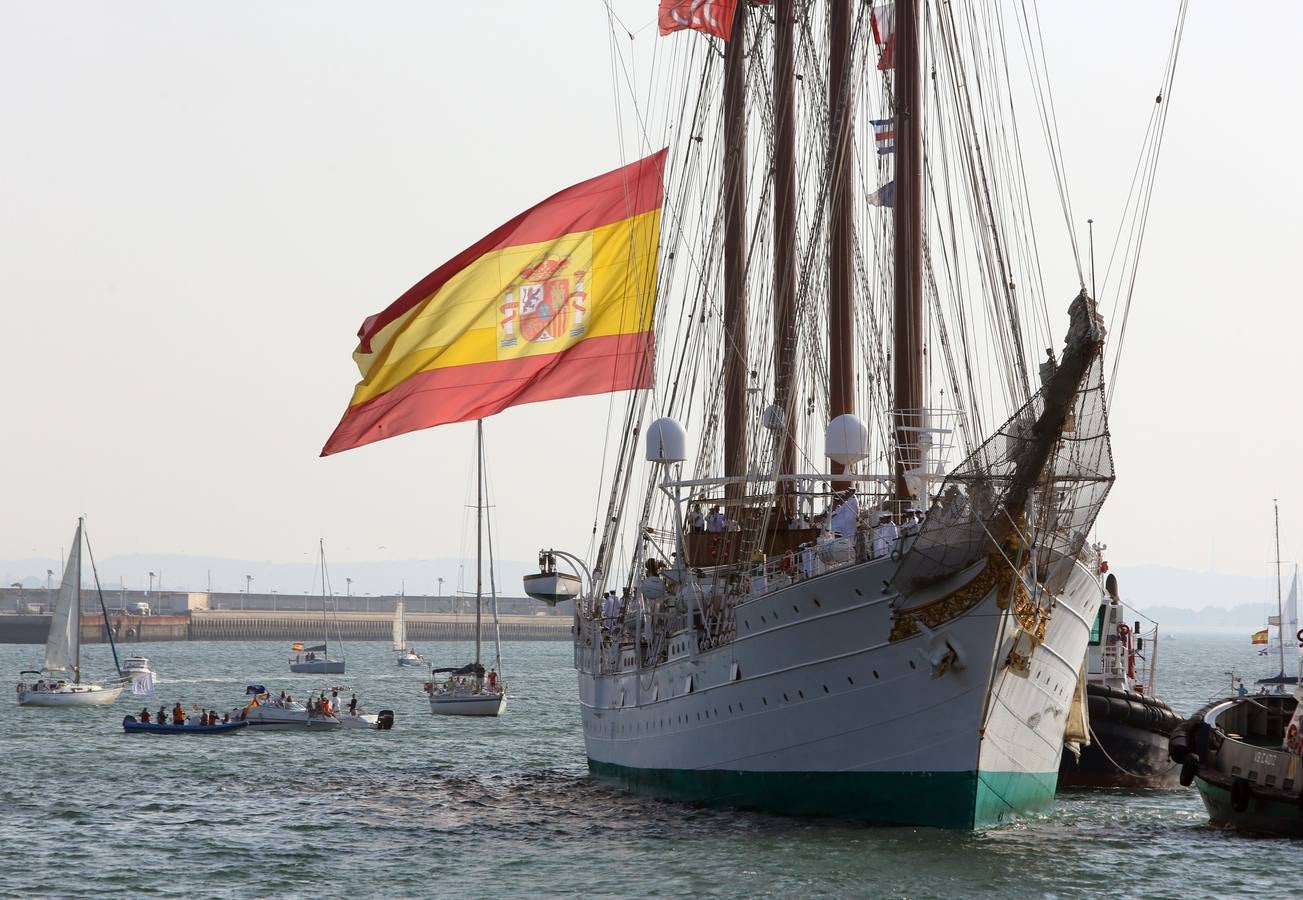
1241, 792
1189, 769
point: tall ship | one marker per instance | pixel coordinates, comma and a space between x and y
825, 584
842, 565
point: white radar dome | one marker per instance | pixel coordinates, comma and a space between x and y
847, 440
667, 442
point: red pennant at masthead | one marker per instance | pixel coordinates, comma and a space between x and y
883, 20
713, 17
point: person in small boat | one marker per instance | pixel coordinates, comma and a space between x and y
326, 708
161, 718
178, 714
352, 706
226, 718
493, 679
144, 716
334, 700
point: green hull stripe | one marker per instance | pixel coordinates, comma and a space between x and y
1264, 816
962, 800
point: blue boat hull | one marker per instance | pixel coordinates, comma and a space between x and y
131, 726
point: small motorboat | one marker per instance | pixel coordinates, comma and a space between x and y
267, 713
133, 726
134, 667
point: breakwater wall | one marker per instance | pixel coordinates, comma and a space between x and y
226, 625
288, 626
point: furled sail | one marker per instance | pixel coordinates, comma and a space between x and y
64, 642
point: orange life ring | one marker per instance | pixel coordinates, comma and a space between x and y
1124, 631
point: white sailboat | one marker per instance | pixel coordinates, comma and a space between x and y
469, 690
315, 660
63, 650
407, 656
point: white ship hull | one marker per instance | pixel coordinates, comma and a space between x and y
812, 708
71, 695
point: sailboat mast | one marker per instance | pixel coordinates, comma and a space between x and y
479, 532
1280, 604
77, 608
325, 628
785, 242
735, 211
908, 311
841, 223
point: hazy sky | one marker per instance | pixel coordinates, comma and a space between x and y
200, 202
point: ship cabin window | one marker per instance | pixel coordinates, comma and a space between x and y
1097, 630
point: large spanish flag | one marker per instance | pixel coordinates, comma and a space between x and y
555, 303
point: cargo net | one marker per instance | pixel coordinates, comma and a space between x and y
1055, 480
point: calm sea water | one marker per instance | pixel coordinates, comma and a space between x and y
464, 808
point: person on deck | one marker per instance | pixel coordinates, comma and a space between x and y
352, 706
178, 714
696, 521
493, 679
161, 718
885, 536
716, 522
807, 560
226, 718
845, 513
144, 716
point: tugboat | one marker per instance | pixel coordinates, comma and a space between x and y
1128, 726
1243, 754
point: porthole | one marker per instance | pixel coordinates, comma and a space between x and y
816, 602
911, 664
825, 688
801, 694
859, 593
850, 680
764, 701
785, 700
795, 609
875, 673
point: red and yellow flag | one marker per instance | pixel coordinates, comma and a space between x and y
555, 303
1261, 637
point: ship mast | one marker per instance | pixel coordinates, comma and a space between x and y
479, 537
908, 312
735, 301
785, 244
841, 224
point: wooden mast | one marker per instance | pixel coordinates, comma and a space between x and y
908, 312
841, 224
785, 244
735, 211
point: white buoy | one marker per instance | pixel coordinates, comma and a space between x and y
847, 440
667, 442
